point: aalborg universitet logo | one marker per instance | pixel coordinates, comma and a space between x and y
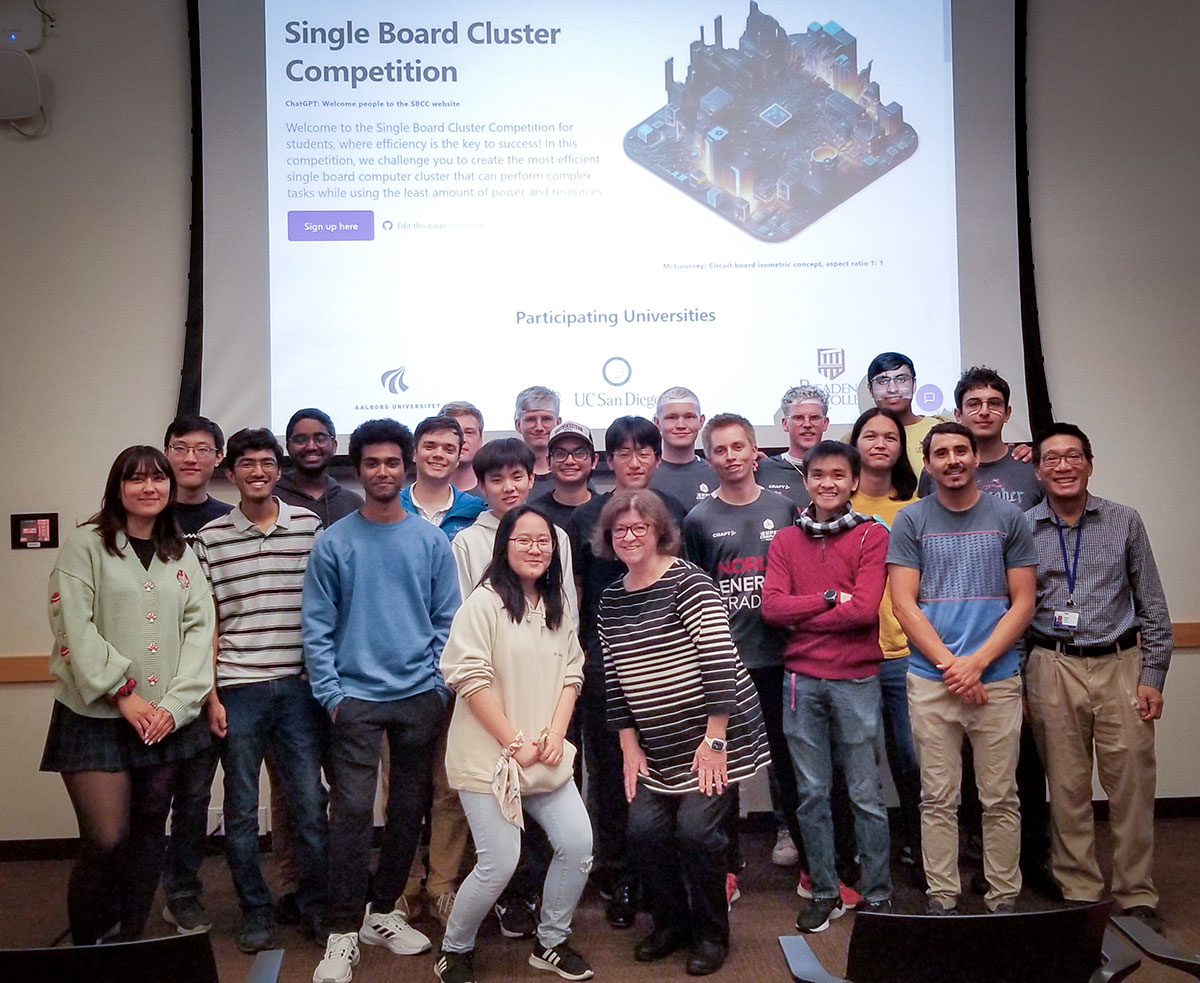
831, 362
393, 380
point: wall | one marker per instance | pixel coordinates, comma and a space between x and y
93, 272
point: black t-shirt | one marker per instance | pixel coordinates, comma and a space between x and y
144, 548
192, 518
595, 573
730, 543
559, 514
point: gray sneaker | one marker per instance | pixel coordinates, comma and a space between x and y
257, 933
187, 914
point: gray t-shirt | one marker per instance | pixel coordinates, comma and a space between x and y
690, 483
779, 474
1012, 481
730, 543
964, 559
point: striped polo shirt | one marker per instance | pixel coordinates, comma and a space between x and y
257, 578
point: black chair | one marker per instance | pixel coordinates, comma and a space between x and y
1069, 945
1158, 947
175, 959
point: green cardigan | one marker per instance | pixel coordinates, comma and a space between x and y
114, 620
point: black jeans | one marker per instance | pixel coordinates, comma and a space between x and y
606, 781
192, 793
679, 844
768, 682
412, 727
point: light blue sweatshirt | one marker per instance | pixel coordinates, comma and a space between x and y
376, 611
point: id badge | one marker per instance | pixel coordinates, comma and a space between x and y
1068, 619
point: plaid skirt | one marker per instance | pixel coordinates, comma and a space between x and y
76, 742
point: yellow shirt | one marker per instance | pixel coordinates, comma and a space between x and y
891, 636
914, 433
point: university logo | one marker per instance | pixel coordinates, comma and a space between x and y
393, 380
831, 362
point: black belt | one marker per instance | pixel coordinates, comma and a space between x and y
1126, 641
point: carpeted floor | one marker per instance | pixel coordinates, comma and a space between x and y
33, 912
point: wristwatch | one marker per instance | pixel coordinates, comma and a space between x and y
717, 744
831, 597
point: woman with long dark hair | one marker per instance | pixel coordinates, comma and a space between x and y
516, 666
133, 629
887, 484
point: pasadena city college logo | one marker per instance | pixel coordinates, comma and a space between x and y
393, 380
831, 362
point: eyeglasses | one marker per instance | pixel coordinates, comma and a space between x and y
200, 450
526, 544
973, 407
248, 465
626, 454
901, 380
637, 529
561, 454
304, 439
1072, 458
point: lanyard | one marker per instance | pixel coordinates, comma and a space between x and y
1070, 569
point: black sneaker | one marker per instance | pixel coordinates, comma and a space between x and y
455, 967
881, 906
1147, 914
819, 913
257, 933
187, 915
561, 959
516, 918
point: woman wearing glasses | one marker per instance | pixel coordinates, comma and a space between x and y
689, 722
514, 662
133, 630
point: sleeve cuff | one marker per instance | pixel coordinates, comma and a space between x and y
1152, 676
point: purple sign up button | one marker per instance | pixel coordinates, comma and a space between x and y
330, 226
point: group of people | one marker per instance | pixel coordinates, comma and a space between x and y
496, 629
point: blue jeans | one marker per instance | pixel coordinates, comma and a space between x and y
832, 722
562, 815
279, 714
901, 755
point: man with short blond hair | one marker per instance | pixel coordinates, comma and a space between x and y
680, 472
804, 412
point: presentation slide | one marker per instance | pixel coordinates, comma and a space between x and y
465, 199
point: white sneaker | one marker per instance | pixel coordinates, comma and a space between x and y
392, 930
785, 853
341, 956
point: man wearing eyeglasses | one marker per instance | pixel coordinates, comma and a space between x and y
572, 460
255, 558
194, 447
981, 400
311, 443
633, 448
1100, 646
804, 417
892, 381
